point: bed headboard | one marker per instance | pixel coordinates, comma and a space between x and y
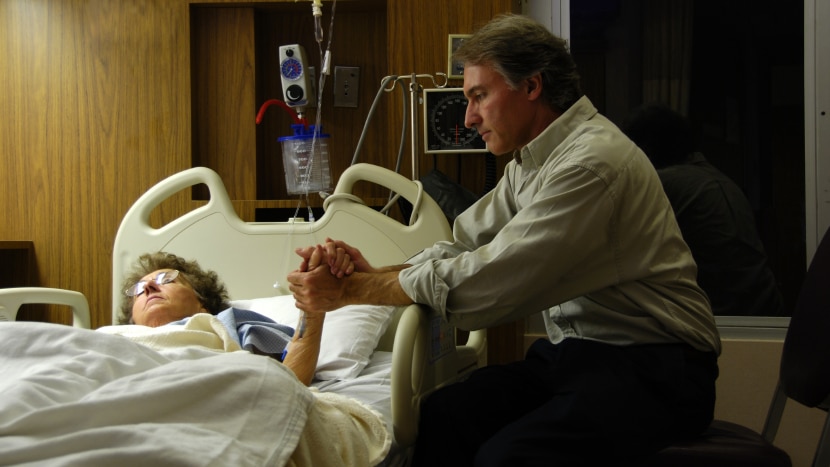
253, 257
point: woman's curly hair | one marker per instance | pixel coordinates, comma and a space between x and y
209, 288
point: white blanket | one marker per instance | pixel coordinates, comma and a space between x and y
77, 397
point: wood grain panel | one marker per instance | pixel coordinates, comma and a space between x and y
224, 107
99, 94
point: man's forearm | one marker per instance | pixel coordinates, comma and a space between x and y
318, 291
393, 268
377, 288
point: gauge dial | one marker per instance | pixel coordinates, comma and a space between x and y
291, 68
444, 129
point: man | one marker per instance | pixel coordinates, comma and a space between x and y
713, 213
579, 229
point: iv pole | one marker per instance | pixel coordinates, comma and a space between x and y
414, 97
415, 89
414, 92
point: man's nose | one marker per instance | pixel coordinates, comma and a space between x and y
469, 117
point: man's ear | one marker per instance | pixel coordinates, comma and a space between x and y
534, 87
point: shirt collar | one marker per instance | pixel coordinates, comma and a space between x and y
536, 152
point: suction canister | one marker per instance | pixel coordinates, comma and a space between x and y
306, 172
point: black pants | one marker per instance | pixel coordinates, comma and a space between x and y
577, 403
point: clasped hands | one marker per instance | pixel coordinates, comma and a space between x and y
320, 283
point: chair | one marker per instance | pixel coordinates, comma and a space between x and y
804, 376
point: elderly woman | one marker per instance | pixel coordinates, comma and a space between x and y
164, 289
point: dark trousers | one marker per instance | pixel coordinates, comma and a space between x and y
577, 403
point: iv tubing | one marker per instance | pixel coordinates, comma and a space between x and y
325, 59
374, 106
317, 11
384, 82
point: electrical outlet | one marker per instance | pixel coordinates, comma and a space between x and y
346, 85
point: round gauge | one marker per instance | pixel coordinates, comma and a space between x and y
291, 68
444, 126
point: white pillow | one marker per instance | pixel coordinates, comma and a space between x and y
350, 334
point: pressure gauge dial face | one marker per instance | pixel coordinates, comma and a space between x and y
291, 68
444, 130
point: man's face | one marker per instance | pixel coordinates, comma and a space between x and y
501, 115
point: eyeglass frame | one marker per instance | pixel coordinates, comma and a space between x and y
142, 284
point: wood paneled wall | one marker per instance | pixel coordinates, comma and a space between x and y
96, 102
223, 78
101, 99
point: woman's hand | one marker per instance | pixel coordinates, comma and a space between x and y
336, 258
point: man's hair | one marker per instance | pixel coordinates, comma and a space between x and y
518, 48
663, 134
210, 290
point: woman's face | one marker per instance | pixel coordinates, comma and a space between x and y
158, 304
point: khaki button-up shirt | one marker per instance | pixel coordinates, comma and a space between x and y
579, 229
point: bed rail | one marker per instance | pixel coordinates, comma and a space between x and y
12, 298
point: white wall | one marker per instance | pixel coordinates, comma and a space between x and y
555, 14
816, 120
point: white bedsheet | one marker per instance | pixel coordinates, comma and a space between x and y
373, 388
70, 396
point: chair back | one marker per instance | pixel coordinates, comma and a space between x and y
805, 361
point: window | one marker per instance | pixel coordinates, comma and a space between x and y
736, 70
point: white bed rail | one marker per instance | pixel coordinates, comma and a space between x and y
11, 300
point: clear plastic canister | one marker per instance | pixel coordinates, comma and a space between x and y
304, 172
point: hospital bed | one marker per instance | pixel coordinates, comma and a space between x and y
393, 357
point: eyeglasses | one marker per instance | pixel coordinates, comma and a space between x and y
164, 277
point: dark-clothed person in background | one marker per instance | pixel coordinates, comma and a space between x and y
714, 215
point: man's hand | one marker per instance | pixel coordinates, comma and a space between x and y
326, 279
317, 290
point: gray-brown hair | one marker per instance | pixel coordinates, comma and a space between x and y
209, 288
518, 48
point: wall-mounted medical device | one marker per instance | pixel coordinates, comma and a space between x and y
444, 130
296, 77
